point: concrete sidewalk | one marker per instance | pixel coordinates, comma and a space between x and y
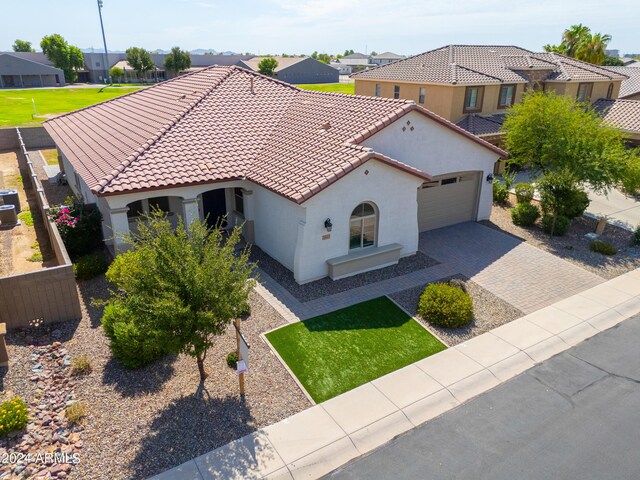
320, 439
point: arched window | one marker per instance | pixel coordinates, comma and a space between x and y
362, 226
610, 91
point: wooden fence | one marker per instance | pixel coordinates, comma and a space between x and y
45, 296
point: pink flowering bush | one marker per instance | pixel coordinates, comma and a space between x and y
79, 227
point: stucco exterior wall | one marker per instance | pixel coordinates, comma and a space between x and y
599, 89
393, 192
436, 150
76, 183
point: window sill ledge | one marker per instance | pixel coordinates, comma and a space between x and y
364, 260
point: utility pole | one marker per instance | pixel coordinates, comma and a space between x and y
104, 42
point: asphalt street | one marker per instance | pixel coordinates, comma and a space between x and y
575, 416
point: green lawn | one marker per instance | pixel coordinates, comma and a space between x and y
16, 108
329, 87
339, 351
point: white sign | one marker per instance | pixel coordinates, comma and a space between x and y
241, 367
244, 352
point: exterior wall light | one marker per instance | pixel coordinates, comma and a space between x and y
490, 177
328, 225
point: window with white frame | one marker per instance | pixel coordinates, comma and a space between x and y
507, 95
422, 94
362, 226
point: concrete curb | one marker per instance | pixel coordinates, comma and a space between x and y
318, 440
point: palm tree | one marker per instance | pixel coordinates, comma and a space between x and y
573, 37
592, 48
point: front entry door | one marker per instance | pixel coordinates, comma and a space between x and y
214, 206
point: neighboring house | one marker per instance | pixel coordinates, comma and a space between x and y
386, 57
630, 87
357, 61
342, 68
458, 81
632, 62
327, 184
27, 70
297, 69
622, 114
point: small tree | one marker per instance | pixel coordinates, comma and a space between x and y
177, 61
324, 58
373, 53
613, 61
22, 46
180, 288
140, 60
116, 72
267, 66
64, 56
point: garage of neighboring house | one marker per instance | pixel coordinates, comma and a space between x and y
448, 199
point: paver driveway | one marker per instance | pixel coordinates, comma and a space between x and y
525, 276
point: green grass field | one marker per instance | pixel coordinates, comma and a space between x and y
339, 351
329, 87
16, 108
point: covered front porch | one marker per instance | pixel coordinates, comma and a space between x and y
223, 205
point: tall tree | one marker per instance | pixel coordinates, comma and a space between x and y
552, 133
580, 43
348, 52
22, 46
324, 58
64, 56
267, 66
373, 53
177, 61
140, 60
176, 290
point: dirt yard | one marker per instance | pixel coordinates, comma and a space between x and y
23, 248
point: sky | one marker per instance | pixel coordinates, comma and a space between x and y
303, 26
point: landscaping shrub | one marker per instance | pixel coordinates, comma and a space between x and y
75, 413
500, 192
14, 416
446, 306
132, 347
604, 248
36, 257
89, 266
561, 227
79, 226
635, 238
26, 218
232, 359
459, 283
81, 365
524, 192
560, 195
525, 214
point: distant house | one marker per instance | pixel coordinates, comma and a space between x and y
386, 57
297, 69
622, 114
27, 69
342, 68
356, 59
630, 87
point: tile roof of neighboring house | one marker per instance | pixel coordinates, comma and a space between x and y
388, 55
225, 123
283, 62
622, 114
631, 85
356, 56
484, 64
482, 125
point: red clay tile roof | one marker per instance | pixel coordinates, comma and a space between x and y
484, 64
622, 114
225, 123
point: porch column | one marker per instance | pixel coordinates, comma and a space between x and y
248, 231
119, 228
190, 212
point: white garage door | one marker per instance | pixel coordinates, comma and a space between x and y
447, 200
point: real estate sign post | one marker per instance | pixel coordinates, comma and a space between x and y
243, 355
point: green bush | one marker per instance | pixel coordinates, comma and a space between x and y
79, 226
604, 248
525, 214
232, 359
89, 266
635, 238
561, 226
500, 192
446, 306
560, 195
26, 217
129, 345
75, 413
524, 192
14, 416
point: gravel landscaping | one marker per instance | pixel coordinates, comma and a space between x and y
489, 312
142, 422
574, 247
326, 286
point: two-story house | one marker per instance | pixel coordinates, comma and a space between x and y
473, 85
